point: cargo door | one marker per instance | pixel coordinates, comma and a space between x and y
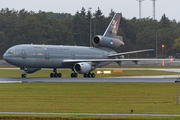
40, 56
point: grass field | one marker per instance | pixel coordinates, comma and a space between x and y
66, 73
90, 98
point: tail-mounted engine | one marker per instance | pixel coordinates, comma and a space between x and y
101, 41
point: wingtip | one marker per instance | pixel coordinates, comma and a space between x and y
151, 49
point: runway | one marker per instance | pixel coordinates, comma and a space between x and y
148, 79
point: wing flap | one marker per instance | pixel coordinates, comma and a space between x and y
131, 52
110, 60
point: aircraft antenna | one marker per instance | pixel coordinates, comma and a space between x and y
140, 7
154, 9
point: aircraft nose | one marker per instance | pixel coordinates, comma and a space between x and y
7, 58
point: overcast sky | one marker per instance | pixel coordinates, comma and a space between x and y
129, 8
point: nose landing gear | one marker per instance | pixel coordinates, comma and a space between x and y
23, 75
55, 74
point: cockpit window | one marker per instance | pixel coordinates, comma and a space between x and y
11, 52
14, 52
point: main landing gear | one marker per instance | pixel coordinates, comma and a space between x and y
74, 75
55, 74
86, 75
89, 75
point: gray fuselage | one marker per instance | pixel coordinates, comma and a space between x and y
51, 56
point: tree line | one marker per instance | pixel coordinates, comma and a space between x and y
23, 27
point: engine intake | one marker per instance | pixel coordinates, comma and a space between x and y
96, 40
82, 67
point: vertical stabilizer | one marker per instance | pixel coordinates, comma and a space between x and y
112, 29
110, 38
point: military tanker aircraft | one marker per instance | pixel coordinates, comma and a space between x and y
82, 60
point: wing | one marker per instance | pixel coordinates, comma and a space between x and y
103, 62
110, 60
124, 53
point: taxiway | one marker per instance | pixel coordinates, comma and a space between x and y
155, 79
109, 114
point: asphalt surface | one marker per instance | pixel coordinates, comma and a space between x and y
155, 79
109, 114
120, 79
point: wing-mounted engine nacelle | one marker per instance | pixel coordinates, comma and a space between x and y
101, 41
82, 67
30, 70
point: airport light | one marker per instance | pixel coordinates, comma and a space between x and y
177, 89
162, 50
155, 107
163, 63
156, 43
90, 26
106, 72
117, 71
99, 72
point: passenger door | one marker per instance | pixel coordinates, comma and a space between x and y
72, 55
46, 54
23, 54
